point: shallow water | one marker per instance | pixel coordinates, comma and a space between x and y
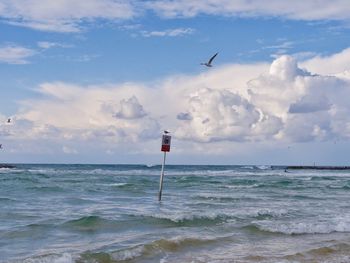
110, 213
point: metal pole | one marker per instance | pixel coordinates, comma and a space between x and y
161, 179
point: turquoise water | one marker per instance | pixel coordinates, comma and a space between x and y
110, 213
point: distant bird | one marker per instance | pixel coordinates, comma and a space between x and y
166, 132
208, 64
9, 120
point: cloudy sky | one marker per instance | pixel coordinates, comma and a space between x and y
97, 81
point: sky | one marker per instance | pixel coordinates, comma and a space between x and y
97, 81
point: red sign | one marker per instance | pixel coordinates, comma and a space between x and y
166, 143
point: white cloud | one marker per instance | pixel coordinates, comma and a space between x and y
89, 113
277, 102
48, 26
177, 32
218, 115
130, 109
48, 45
298, 9
62, 15
69, 150
286, 68
184, 116
321, 64
13, 54
309, 104
71, 16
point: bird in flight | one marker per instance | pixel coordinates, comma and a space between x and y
208, 64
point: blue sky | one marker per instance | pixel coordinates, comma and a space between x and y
97, 81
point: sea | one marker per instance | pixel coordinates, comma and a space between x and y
111, 213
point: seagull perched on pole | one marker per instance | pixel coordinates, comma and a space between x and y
166, 132
208, 64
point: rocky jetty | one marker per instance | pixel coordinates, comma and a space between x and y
2, 165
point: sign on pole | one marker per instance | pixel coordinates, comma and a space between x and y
166, 140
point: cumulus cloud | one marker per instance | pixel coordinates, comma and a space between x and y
286, 103
69, 150
309, 103
130, 109
285, 68
88, 113
185, 116
283, 101
306, 103
14, 54
329, 65
218, 115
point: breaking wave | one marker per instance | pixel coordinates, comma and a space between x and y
293, 228
151, 249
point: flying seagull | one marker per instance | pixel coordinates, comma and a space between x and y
208, 64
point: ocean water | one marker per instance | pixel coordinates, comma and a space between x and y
110, 213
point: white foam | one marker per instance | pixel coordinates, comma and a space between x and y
128, 254
178, 217
264, 167
248, 167
242, 186
63, 258
314, 227
151, 165
118, 184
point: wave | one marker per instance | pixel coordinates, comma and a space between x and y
336, 225
5, 199
152, 249
243, 186
345, 187
263, 167
145, 170
46, 188
91, 224
215, 197
20, 179
249, 167
185, 218
338, 253
5, 170
151, 165
50, 258
209, 217
120, 185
